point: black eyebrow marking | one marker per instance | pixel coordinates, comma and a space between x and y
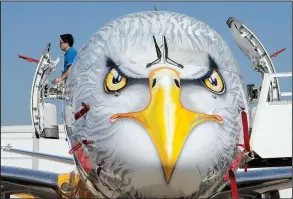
207, 75
111, 64
212, 63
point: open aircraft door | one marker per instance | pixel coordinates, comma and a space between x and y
44, 115
265, 129
255, 51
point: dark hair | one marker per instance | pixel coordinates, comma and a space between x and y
67, 38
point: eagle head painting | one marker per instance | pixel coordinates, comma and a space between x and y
165, 96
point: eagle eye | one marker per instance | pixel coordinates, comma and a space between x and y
214, 82
114, 82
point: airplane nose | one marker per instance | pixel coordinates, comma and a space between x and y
165, 118
148, 180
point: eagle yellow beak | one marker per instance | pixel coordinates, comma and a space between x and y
165, 119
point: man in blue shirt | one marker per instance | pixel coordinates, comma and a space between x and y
66, 43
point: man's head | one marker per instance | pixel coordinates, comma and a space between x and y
66, 42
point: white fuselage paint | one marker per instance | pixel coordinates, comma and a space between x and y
125, 145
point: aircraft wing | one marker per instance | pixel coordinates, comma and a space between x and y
260, 181
26, 183
45, 184
55, 158
40, 184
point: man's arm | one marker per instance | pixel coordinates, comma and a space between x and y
65, 75
70, 59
